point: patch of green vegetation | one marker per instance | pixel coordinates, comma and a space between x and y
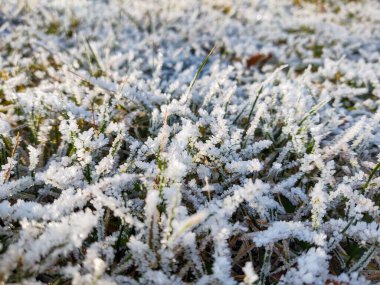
301, 30
317, 50
20, 88
73, 27
53, 28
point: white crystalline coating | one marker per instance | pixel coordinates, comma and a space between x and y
131, 154
58, 238
244, 167
15, 186
283, 230
5, 127
105, 165
34, 154
61, 176
312, 269
250, 275
176, 168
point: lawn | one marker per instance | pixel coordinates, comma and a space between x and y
189, 142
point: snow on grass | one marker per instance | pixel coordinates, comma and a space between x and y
189, 142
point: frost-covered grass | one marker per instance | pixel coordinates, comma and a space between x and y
189, 142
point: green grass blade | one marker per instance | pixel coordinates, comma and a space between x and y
200, 69
377, 167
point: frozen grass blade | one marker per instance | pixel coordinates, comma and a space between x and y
204, 62
373, 172
313, 111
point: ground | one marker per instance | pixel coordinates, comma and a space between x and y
189, 142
